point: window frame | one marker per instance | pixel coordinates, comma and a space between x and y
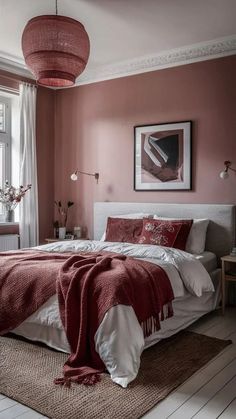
5, 138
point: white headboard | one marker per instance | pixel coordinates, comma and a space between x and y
221, 229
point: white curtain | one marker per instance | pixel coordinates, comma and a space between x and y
29, 228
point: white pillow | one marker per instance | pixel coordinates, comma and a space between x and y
134, 216
197, 236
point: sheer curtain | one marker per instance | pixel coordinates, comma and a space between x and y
29, 229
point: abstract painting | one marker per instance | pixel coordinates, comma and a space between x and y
162, 157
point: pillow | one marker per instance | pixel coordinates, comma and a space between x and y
183, 234
197, 236
123, 230
138, 215
159, 232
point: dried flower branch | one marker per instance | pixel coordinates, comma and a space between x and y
63, 211
11, 196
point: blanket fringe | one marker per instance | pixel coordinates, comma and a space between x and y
88, 380
152, 324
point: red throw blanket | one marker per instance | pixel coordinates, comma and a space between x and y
88, 285
27, 281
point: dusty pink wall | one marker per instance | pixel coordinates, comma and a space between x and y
94, 131
45, 160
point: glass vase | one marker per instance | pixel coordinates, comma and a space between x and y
62, 233
10, 216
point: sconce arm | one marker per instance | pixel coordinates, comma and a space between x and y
96, 175
228, 164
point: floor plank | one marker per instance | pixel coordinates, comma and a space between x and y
13, 411
205, 393
230, 411
206, 322
214, 407
184, 392
223, 329
6, 403
31, 415
232, 336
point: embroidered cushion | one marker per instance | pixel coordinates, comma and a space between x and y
166, 233
161, 233
197, 236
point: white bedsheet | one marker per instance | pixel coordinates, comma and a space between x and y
184, 267
119, 338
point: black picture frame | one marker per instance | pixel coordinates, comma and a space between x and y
162, 156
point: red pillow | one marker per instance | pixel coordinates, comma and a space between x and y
123, 230
181, 239
161, 233
166, 233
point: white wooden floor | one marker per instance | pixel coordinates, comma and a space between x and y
208, 394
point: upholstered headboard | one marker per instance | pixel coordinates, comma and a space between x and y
221, 230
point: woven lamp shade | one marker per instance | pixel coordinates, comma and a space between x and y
56, 49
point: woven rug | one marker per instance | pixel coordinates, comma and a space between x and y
27, 372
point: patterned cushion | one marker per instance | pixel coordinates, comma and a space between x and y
197, 236
166, 233
123, 230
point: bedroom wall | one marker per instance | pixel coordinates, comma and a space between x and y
45, 160
45, 155
94, 132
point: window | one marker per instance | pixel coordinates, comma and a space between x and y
5, 139
5, 143
2, 116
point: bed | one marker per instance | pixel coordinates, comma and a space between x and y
121, 350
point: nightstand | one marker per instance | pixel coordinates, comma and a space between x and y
228, 264
53, 239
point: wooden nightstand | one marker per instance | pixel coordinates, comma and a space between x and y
228, 274
53, 239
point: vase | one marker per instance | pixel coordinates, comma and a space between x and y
56, 232
77, 232
62, 232
10, 216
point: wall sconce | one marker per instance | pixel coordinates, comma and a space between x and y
224, 174
75, 176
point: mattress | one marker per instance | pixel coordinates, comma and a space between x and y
208, 260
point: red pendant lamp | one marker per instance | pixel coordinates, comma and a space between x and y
56, 49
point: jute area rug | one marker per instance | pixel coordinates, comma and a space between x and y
27, 372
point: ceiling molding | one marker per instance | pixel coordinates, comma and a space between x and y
14, 65
179, 56
172, 58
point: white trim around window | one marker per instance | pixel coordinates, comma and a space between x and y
5, 144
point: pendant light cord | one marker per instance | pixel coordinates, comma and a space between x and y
56, 8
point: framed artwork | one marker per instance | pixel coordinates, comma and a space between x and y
162, 157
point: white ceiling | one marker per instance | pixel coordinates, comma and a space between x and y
129, 35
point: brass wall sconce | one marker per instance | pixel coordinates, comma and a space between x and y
225, 173
75, 174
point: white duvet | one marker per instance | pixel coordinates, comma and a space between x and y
119, 339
